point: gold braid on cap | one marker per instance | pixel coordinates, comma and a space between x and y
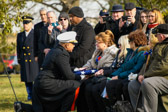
73, 41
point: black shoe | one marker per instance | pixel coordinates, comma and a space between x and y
17, 107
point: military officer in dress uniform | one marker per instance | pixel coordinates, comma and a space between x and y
25, 54
55, 86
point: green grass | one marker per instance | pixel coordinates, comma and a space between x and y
7, 97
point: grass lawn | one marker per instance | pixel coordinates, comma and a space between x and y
7, 97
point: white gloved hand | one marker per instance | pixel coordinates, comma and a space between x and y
76, 69
82, 76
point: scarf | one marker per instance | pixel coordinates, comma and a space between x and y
152, 25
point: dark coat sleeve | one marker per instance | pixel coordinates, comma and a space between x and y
99, 28
65, 68
42, 40
86, 42
37, 29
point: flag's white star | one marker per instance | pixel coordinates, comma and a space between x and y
82, 73
93, 71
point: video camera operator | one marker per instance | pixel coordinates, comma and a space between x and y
101, 25
129, 22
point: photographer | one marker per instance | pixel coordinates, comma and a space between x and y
101, 25
129, 22
112, 22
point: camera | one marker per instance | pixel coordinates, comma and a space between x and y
108, 18
55, 24
124, 18
155, 30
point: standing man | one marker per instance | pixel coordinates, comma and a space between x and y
48, 36
113, 25
154, 82
85, 37
101, 25
130, 24
37, 28
25, 54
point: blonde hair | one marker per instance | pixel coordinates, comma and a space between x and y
158, 16
106, 37
153, 40
123, 40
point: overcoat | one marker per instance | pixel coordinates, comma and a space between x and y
86, 44
25, 54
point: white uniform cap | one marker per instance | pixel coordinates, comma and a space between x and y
67, 37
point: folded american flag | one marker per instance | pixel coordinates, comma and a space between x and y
85, 72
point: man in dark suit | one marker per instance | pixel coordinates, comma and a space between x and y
85, 36
48, 36
25, 55
37, 28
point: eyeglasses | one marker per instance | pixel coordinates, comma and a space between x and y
151, 16
62, 19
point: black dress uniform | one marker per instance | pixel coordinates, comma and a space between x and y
54, 87
25, 54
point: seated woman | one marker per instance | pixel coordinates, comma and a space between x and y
136, 39
55, 86
119, 59
103, 56
120, 77
105, 71
105, 52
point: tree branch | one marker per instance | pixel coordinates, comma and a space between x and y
100, 4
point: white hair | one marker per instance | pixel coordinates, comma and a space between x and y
51, 12
43, 9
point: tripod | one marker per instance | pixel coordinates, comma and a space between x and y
17, 104
6, 71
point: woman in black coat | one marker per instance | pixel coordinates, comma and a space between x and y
55, 86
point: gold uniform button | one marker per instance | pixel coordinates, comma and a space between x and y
41, 68
28, 47
28, 53
24, 54
25, 60
23, 47
29, 60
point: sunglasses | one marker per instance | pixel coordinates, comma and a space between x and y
62, 19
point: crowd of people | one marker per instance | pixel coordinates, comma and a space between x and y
126, 51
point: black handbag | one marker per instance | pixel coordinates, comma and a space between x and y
122, 106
